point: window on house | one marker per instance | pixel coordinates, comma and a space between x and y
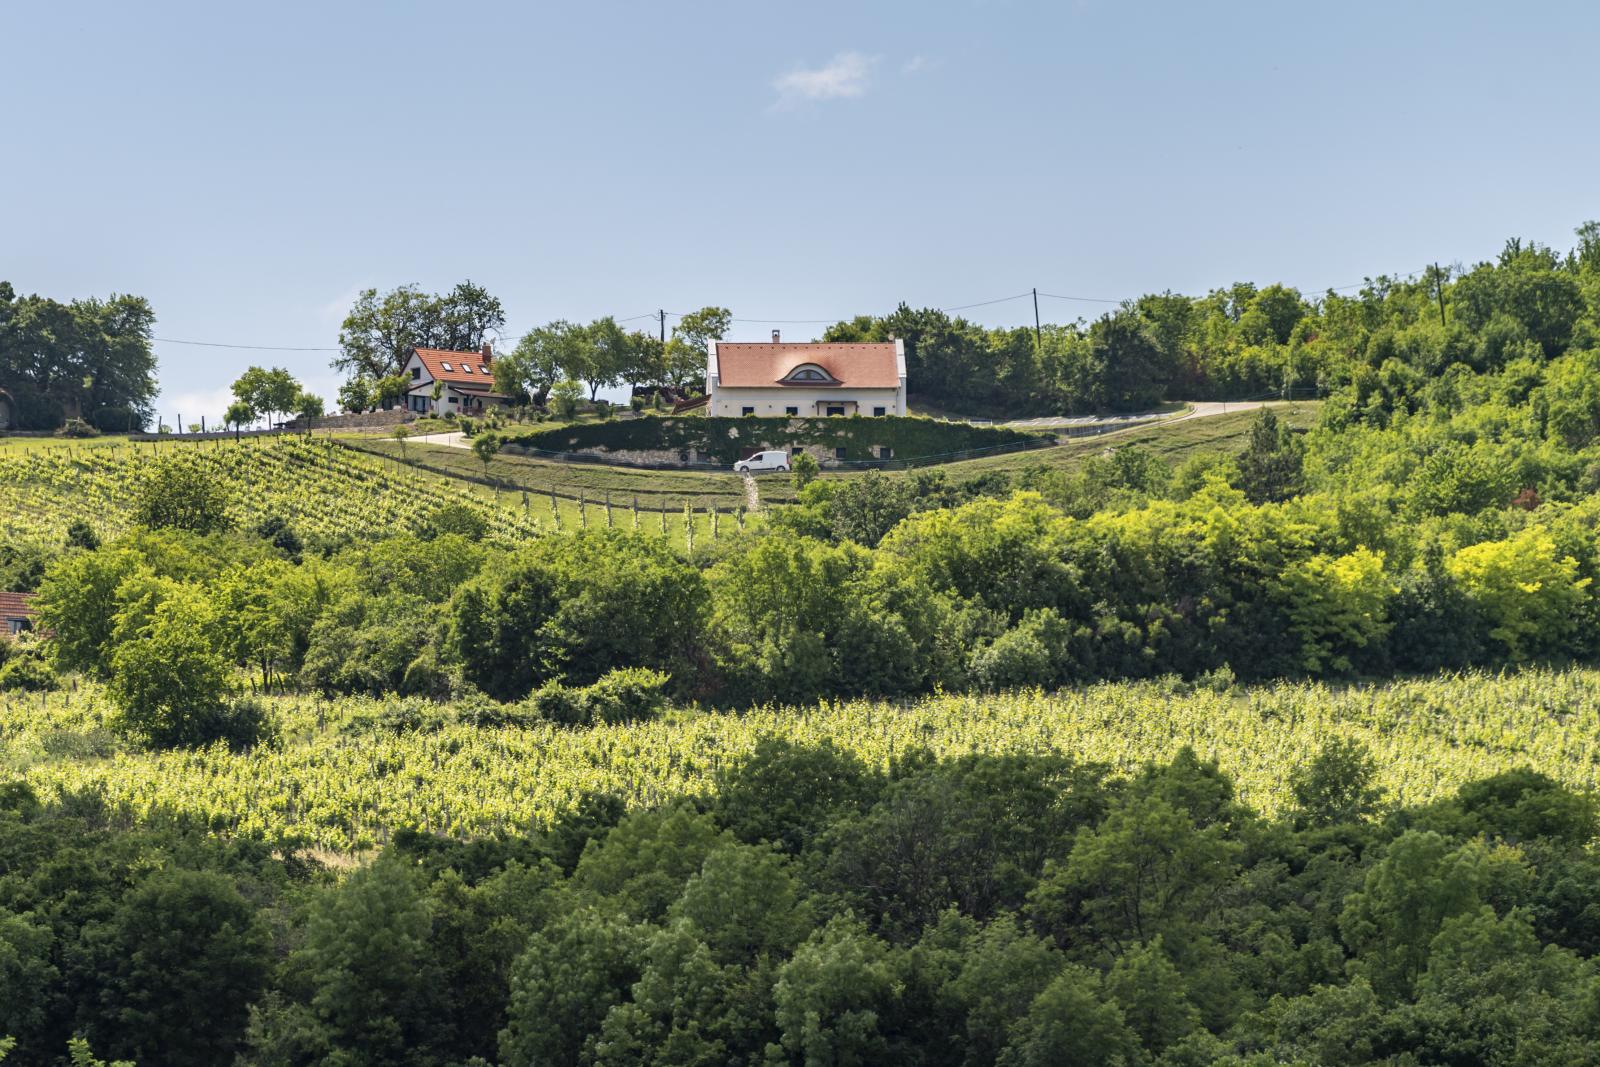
466, 368
482, 368
452, 400
446, 366
809, 373
747, 411
838, 453
835, 409
791, 411
416, 372
885, 452
880, 411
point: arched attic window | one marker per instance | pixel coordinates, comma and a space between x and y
809, 373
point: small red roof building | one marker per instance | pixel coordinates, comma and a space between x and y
16, 613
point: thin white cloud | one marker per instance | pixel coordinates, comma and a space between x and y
843, 77
916, 65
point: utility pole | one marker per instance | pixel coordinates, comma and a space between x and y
1038, 338
663, 316
1438, 280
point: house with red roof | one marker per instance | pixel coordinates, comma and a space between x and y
464, 382
806, 379
16, 614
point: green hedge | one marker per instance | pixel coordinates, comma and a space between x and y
724, 439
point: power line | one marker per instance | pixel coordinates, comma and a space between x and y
1080, 299
986, 303
772, 322
257, 348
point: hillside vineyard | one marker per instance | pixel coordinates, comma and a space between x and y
1258, 736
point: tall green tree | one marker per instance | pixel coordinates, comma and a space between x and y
1272, 466
178, 966
89, 359
363, 985
684, 359
167, 674
541, 358
609, 355
1134, 368
266, 391
380, 331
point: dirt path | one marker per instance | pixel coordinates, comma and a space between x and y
1198, 409
454, 440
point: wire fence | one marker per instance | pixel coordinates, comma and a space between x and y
580, 495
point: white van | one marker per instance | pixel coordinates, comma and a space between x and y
763, 461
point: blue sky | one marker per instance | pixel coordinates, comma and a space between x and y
249, 169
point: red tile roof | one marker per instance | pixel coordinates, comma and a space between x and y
864, 365
15, 606
435, 358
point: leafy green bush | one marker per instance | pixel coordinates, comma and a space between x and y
630, 694
25, 672
178, 493
805, 469
455, 519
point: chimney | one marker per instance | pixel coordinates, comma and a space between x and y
487, 352
774, 336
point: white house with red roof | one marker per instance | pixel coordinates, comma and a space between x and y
806, 379
465, 381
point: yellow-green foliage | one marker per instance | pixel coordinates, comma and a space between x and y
1529, 594
337, 779
1338, 602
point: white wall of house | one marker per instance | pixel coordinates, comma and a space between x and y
810, 403
460, 401
416, 371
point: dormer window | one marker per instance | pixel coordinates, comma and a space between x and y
446, 366
810, 374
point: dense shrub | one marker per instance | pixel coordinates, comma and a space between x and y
626, 695
24, 672
573, 608
178, 494
722, 439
